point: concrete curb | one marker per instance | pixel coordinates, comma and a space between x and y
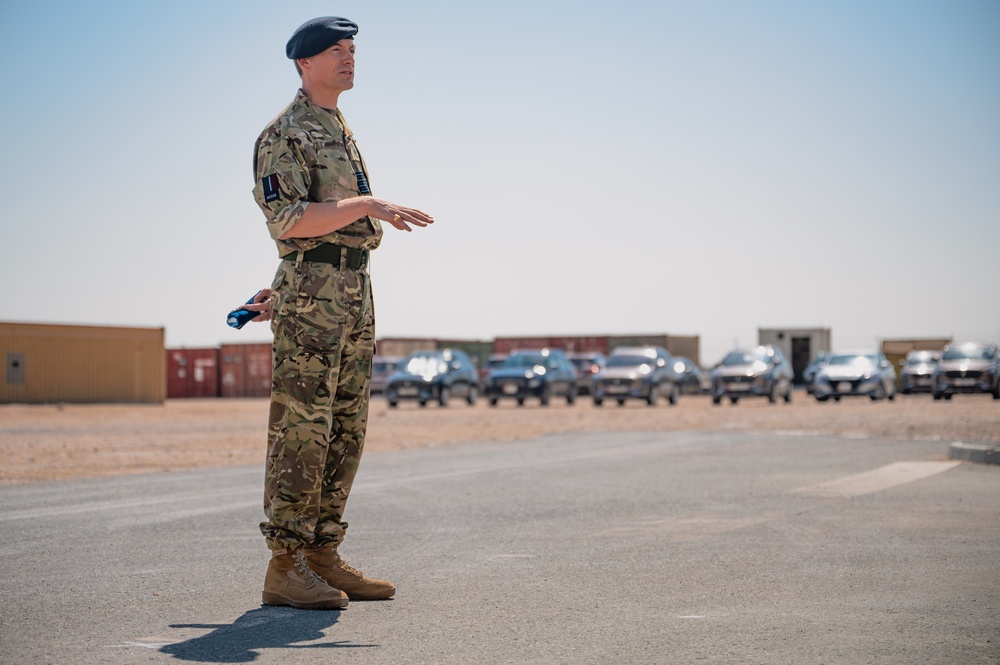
974, 453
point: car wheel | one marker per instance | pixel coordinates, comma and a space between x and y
892, 395
905, 391
788, 394
822, 398
493, 401
444, 395
674, 392
621, 402
949, 396
471, 397
423, 403
734, 400
937, 396
571, 395
520, 401
836, 398
716, 400
598, 402
772, 396
546, 395
654, 392
393, 403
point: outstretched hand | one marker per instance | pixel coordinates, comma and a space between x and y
399, 216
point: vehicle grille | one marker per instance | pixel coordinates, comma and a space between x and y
956, 374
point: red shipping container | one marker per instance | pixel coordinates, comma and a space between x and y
568, 343
192, 373
246, 370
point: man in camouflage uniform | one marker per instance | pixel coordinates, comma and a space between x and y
311, 184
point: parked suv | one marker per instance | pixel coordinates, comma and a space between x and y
637, 372
433, 375
866, 373
382, 368
541, 373
763, 372
971, 367
587, 366
917, 372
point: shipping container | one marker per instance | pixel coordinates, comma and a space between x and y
688, 346
48, 363
478, 351
245, 370
402, 347
895, 350
192, 373
568, 343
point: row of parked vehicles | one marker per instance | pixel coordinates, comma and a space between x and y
966, 367
651, 374
648, 373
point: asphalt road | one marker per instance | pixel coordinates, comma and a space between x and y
694, 547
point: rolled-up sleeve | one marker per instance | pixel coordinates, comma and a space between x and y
282, 182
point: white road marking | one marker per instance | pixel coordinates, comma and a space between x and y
882, 478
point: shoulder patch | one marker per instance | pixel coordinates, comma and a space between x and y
271, 191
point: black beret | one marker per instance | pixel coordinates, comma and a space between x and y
317, 35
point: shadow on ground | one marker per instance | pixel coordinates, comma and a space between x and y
259, 629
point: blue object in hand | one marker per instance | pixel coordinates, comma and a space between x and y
241, 316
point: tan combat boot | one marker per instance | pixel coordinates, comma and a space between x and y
335, 572
290, 581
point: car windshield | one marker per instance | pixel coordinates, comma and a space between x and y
968, 353
852, 359
525, 360
426, 364
623, 360
736, 358
921, 357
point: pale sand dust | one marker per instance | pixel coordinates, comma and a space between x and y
78, 441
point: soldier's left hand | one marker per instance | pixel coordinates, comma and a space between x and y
261, 303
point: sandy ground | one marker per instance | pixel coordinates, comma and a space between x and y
57, 442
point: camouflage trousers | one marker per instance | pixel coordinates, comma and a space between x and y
324, 339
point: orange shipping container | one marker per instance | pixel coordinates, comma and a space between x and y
48, 363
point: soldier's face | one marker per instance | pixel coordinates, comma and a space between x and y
333, 68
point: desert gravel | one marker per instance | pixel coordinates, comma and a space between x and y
56, 442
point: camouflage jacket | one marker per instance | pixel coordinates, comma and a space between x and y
302, 157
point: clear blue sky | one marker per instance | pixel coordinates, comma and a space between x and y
688, 167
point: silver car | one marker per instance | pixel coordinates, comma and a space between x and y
853, 373
970, 367
917, 372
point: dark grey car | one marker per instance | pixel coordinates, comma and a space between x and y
587, 366
763, 372
541, 373
916, 374
637, 372
433, 376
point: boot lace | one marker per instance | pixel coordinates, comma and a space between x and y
300, 565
